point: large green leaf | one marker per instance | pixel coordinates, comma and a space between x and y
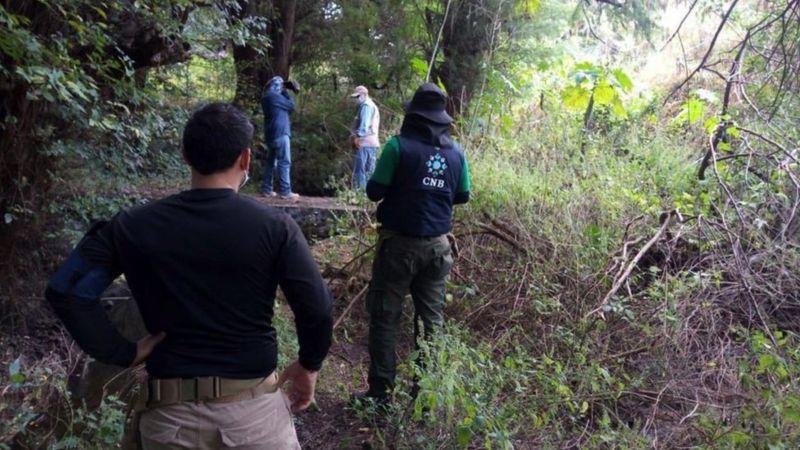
587, 66
618, 108
604, 93
585, 71
419, 66
711, 124
575, 98
694, 109
623, 80
526, 7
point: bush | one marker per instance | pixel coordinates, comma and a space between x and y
38, 412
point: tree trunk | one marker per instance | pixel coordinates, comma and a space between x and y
251, 75
251, 71
282, 38
466, 39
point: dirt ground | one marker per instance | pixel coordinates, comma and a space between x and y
331, 424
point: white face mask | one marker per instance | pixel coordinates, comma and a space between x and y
245, 179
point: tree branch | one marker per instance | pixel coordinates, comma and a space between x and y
591, 29
677, 30
618, 282
765, 139
708, 52
721, 130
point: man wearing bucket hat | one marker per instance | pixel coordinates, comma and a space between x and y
420, 175
365, 137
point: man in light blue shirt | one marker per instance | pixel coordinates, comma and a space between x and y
365, 137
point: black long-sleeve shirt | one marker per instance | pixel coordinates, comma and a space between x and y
203, 266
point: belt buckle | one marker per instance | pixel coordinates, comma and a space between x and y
206, 388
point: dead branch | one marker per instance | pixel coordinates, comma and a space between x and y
511, 241
765, 139
633, 263
350, 306
708, 52
680, 25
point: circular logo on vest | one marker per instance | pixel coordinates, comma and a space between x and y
436, 165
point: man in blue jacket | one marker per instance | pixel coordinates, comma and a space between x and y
278, 105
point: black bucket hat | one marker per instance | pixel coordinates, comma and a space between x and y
429, 102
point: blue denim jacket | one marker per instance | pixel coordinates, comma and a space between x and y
277, 104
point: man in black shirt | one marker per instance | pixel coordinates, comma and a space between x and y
204, 266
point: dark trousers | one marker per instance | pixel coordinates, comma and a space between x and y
403, 264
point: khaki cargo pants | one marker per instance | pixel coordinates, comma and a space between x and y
403, 264
261, 423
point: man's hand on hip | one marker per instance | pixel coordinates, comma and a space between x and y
145, 346
301, 389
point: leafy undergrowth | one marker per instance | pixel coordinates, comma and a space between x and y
600, 301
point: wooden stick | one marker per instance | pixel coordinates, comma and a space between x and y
350, 306
626, 274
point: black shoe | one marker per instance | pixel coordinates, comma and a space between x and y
367, 397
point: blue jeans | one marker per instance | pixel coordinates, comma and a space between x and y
279, 157
363, 166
